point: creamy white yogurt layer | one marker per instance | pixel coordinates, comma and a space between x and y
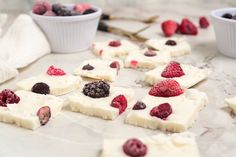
231, 102
24, 113
185, 110
193, 75
59, 85
174, 145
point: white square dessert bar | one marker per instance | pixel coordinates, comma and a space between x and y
193, 75
58, 85
24, 113
185, 110
147, 59
174, 145
231, 102
103, 50
99, 69
100, 107
181, 46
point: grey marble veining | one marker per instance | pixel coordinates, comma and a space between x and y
74, 134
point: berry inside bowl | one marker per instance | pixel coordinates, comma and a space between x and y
68, 30
224, 22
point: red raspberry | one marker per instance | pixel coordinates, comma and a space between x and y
115, 65
173, 69
135, 148
166, 88
187, 27
55, 71
44, 114
120, 102
82, 7
41, 6
169, 27
203, 22
161, 111
134, 64
114, 43
8, 97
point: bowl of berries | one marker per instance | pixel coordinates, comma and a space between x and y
69, 28
224, 22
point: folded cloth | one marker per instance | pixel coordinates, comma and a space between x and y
23, 43
6, 72
3, 19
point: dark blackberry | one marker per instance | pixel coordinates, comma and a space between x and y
139, 106
171, 42
234, 17
41, 88
89, 11
87, 67
97, 89
227, 16
61, 10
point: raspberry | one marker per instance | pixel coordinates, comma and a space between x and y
88, 67
115, 65
82, 7
120, 102
97, 89
139, 106
134, 148
55, 71
227, 16
171, 43
41, 88
49, 13
187, 27
41, 6
203, 22
150, 53
166, 88
44, 114
114, 43
8, 97
173, 69
161, 111
169, 27
134, 64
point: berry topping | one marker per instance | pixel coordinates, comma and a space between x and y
134, 64
81, 8
97, 89
161, 111
88, 67
120, 102
8, 97
115, 65
166, 88
139, 106
55, 71
134, 148
169, 27
44, 114
89, 11
227, 16
61, 10
170, 43
150, 53
203, 22
41, 88
41, 7
187, 27
173, 69
114, 43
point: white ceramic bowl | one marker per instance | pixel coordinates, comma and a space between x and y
69, 34
225, 31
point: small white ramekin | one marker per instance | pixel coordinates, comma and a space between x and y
225, 31
69, 34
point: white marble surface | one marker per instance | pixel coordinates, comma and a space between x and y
73, 134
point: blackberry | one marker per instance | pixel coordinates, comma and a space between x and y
89, 11
139, 106
41, 88
61, 10
97, 89
227, 16
87, 67
56, 8
171, 42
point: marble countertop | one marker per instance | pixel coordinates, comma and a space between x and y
74, 134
